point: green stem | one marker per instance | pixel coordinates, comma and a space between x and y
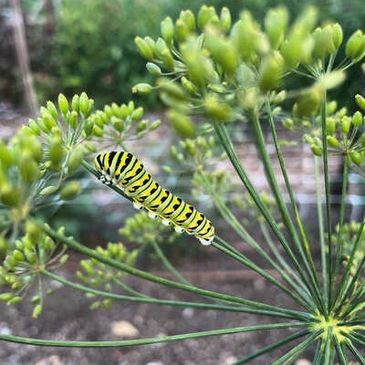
144, 341
358, 356
251, 265
272, 347
340, 352
321, 228
166, 262
150, 300
227, 144
293, 354
283, 169
328, 197
344, 286
279, 257
170, 283
340, 243
128, 289
231, 219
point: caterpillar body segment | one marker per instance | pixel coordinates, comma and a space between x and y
125, 171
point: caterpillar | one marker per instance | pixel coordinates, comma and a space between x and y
124, 170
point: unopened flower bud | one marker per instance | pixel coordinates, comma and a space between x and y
33, 125
360, 100
52, 109
333, 141
168, 59
9, 195
308, 103
63, 104
345, 125
356, 157
48, 190
187, 16
75, 159
37, 311
181, 31
271, 72
357, 119
75, 103
276, 22
217, 110
355, 46
225, 19
141, 126
288, 123
70, 190
316, 150
331, 125
206, 15
137, 114
182, 124
142, 88
153, 69
144, 48
167, 30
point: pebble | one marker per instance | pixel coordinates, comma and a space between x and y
124, 329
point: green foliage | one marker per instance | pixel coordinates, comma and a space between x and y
213, 72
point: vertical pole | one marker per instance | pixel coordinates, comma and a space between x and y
22, 57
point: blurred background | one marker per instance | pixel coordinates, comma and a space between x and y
70, 46
88, 44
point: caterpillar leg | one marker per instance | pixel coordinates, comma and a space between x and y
178, 229
152, 214
165, 222
137, 205
206, 241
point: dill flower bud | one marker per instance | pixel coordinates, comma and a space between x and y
187, 16
357, 119
142, 88
167, 31
360, 100
355, 46
153, 69
225, 19
70, 190
207, 15
271, 72
182, 124
276, 22
144, 48
217, 110
356, 157
333, 141
63, 104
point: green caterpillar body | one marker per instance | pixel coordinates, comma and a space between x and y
125, 171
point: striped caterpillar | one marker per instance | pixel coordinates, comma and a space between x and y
125, 171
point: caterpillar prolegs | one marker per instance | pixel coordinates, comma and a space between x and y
125, 171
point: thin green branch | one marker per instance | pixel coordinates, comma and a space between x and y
358, 356
341, 355
272, 347
321, 227
231, 219
150, 300
328, 197
168, 265
227, 144
296, 351
144, 341
70, 242
344, 286
251, 265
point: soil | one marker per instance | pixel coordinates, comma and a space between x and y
67, 316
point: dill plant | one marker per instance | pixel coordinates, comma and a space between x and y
221, 74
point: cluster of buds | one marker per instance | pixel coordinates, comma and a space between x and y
99, 275
194, 153
20, 170
348, 237
210, 182
142, 230
249, 208
207, 65
23, 263
118, 123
